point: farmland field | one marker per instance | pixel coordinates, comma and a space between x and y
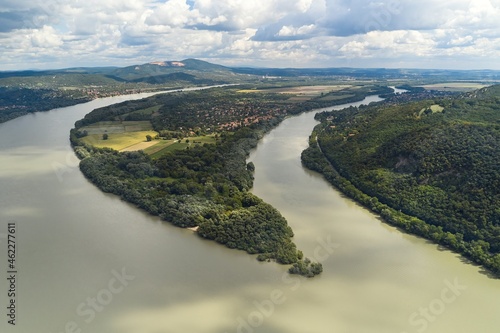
140, 146
455, 86
301, 90
336, 97
165, 146
117, 127
146, 111
304, 93
131, 136
118, 141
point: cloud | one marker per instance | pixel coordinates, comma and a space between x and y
290, 30
45, 38
11, 21
391, 44
173, 13
300, 33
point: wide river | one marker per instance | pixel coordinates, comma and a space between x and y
88, 262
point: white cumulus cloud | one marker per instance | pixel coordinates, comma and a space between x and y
301, 33
46, 37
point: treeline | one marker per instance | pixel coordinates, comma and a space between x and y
117, 111
429, 167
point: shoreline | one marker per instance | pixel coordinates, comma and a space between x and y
407, 224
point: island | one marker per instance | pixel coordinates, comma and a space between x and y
182, 156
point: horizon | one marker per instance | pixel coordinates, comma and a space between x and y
395, 34
247, 66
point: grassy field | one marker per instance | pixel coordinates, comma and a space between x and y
336, 97
131, 136
165, 146
140, 146
118, 141
304, 93
455, 86
113, 127
435, 108
146, 111
311, 91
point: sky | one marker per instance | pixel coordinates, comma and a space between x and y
446, 34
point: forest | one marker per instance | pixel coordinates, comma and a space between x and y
16, 102
430, 167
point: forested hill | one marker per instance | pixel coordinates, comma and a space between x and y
25, 92
430, 167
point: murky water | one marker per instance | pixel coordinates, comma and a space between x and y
89, 262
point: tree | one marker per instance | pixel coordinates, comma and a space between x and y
250, 167
149, 137
306, 268
300, 255
105, 136
81, 134
316, 268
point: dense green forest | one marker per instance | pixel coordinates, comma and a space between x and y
205, 186
430, 167
16, 102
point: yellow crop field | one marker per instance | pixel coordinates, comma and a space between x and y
118, 141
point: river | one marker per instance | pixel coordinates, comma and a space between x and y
88, 262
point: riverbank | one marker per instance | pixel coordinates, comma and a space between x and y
340, 174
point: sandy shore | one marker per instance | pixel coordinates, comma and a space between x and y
195, 229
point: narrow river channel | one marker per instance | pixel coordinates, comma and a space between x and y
89, 262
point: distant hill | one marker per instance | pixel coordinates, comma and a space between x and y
34, 73
61, 87
430, 167
200, 65
23, 92
129, 72
203, 70
161, 71
178, 77
374, 73
157, 72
